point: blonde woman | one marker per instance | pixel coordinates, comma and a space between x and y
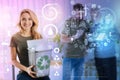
28, 24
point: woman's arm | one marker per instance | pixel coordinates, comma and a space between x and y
16, 63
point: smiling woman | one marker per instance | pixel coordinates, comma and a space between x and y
28, 24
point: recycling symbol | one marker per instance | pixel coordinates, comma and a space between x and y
43, 62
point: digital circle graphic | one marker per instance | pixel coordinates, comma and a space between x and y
50, 30
49, 11
56, 50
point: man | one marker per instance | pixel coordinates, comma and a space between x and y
105, 36
73, 37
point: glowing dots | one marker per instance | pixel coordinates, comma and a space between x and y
50, 30
72, 2
105, 44
56, 74
93, 6
49, 11
56, 58
7, 69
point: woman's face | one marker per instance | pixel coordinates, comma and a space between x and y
26, 21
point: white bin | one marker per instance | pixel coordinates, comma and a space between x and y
40, 55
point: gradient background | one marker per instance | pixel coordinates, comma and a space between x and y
55, 16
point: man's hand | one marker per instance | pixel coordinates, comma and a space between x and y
78, 34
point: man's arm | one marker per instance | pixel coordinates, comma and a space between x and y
66, 39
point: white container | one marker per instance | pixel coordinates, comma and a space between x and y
40, 55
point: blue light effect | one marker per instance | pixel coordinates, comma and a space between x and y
104, 29
104, 34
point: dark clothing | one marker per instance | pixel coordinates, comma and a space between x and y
106, 68
77, 48
20, 43
25, 76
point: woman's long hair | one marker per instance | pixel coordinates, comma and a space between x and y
34, 33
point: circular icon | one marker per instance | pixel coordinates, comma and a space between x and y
49, 11
50, 30
43, 62
56, 50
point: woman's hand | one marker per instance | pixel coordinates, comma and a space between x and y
30, 72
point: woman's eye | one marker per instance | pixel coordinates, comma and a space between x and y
23, 19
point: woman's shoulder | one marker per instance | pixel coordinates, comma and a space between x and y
15, 34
